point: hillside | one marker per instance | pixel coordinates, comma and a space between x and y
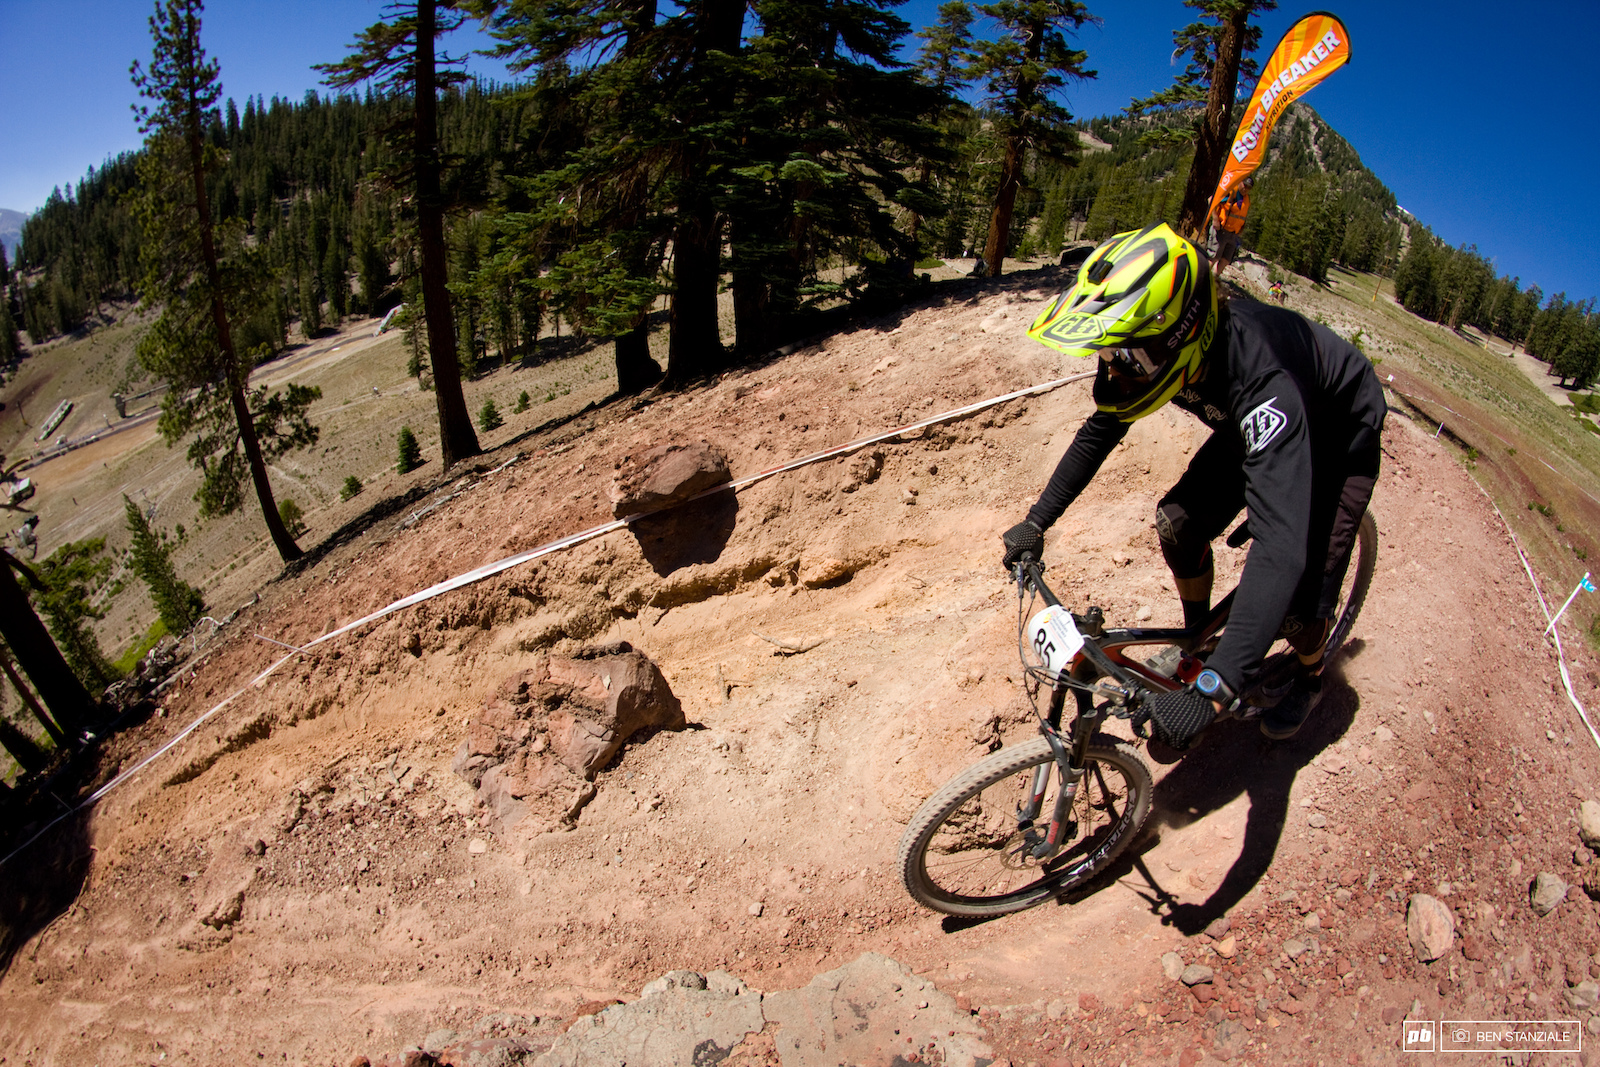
380, 904
11, 229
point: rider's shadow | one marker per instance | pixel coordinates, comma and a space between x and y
1235, 759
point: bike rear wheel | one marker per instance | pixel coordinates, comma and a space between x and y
965, 851
1357, 580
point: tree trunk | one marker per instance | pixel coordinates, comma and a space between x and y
1212, 145
1005, 201
749, 312
29, 756
636, 371
694, 343
236, 376
50, 728
281, 538
69, 702
457, 438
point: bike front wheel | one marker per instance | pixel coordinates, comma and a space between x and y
967, 851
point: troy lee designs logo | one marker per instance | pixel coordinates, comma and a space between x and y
1251, 136
1261, 426
1212, 413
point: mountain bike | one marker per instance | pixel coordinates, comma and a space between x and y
1007, 833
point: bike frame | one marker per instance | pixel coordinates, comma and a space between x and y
1102, 655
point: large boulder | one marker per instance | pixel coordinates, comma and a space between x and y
535, 746
667, 475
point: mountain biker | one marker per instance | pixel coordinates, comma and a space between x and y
1295, 413
1230, 223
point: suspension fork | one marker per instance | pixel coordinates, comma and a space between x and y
1068, 765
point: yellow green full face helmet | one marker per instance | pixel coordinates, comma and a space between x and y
1144, 303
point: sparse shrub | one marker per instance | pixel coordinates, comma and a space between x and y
294, 520
1544, 509
489, 416
352, 486
523, 403
410, 452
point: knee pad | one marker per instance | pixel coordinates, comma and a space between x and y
1186, 555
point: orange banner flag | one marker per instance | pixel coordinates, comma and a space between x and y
1314, 48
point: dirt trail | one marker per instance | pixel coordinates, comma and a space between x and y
378, 904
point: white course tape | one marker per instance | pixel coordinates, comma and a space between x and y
488, 570
1561, 656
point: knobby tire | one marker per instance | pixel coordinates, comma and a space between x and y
963, 853
1363, 566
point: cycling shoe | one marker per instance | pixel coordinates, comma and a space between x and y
1292, 710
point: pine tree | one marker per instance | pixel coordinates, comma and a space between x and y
1216, 47
68, 579
410, 453
178, 603
399, 55
58, 687
1023, 67
489, 416
204, 277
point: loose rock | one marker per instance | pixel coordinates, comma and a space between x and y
1431, 927
1195, 974
1548, 891
1583, 996
1589, 823
1172, 965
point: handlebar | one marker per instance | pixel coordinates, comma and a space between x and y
1029, 571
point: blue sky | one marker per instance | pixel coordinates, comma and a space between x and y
1477, 115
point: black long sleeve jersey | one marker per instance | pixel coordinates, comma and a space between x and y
1296, 395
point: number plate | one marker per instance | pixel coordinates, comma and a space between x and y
1055, 638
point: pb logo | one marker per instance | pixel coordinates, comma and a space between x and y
1418, 1036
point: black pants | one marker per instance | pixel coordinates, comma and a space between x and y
1210, 495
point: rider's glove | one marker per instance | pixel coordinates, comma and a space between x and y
1024, 537
1178, 716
